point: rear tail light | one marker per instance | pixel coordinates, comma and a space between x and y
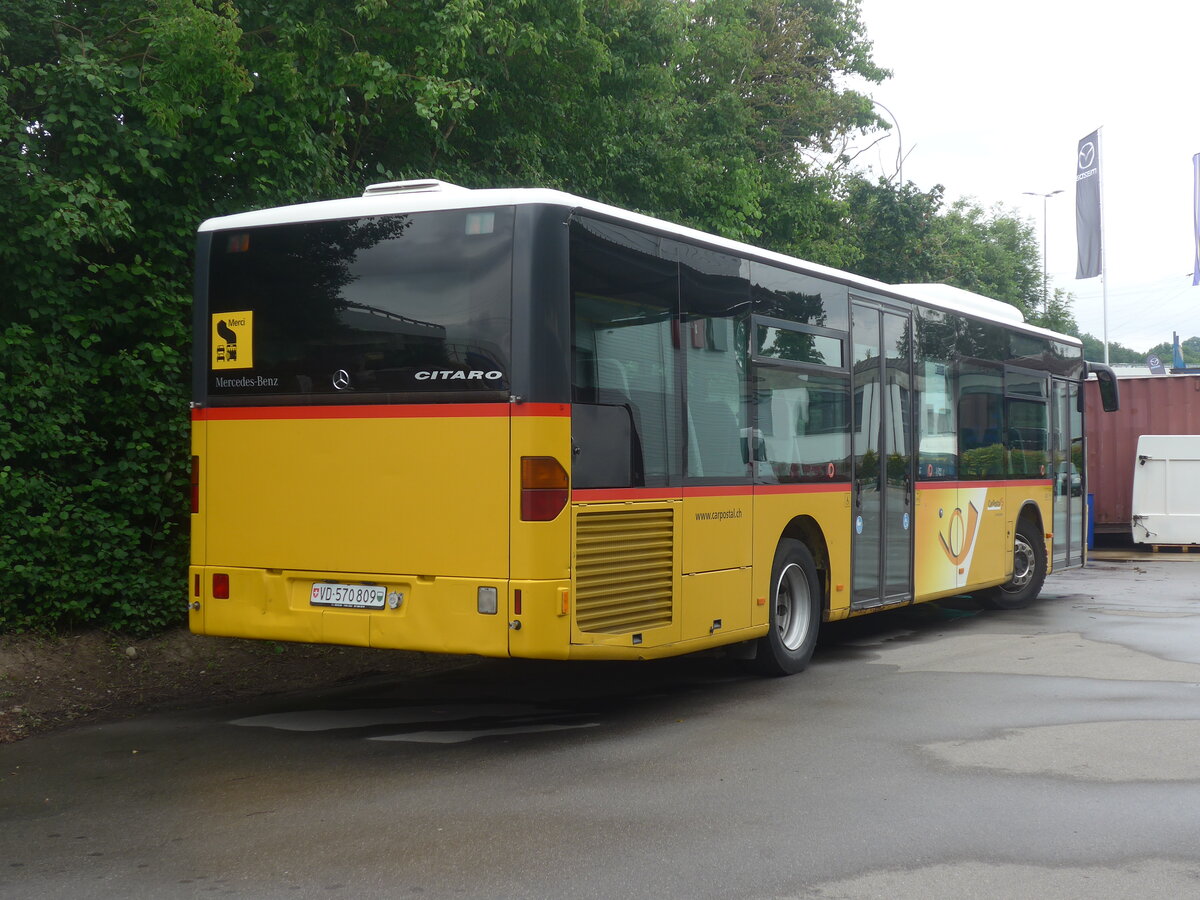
195, 485
221, 586
544, 488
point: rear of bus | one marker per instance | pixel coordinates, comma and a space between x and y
366, 470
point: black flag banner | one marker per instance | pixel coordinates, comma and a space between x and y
1088, 229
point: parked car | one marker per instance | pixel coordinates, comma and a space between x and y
1067, 480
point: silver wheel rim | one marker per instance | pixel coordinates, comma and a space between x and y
1023, 565
793, 606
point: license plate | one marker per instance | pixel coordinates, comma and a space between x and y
348, 596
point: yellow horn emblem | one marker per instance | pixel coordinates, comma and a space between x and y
961, 539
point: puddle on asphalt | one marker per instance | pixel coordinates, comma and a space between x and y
1066, 655
1126, 751
473, 720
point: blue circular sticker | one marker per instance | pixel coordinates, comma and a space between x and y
858, 525
906, 521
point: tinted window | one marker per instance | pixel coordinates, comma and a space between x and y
793, 345
980, 420
414, 305
803, 426
1027, 432
783, 294
715, 294
625, 329
938, 451
1028, 438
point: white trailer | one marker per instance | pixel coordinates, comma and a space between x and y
1166, 490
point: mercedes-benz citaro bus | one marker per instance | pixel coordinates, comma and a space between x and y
523, 423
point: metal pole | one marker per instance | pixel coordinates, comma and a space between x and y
1045, 277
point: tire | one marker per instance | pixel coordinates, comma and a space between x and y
795, 613
1029, 571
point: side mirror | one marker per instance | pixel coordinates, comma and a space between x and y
1110, 398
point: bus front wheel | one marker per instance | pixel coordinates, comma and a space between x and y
1029, 571
795, 612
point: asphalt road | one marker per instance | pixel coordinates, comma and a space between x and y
935, 752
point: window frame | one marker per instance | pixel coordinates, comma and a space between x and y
843, 337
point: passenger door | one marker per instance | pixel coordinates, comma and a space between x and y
883, 456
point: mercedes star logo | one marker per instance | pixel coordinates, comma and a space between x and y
1087, 155
341, 379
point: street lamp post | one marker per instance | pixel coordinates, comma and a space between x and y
1045, 279
899, 142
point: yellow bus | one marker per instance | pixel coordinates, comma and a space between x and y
523, 423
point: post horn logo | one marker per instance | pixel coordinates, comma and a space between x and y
1087, 156
961, 536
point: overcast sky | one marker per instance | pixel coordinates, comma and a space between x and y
992, 100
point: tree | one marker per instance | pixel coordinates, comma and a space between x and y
896, 230
126, 124
1056, 314
993, 253
123, 127
1093, 351
905, 235
1190, 350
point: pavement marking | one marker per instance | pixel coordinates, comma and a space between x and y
334, 719
460, 737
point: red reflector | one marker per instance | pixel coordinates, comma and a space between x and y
221, 586
517, 602
545, 488
541, 506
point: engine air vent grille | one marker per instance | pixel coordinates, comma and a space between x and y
624, 569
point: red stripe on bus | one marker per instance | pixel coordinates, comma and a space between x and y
560, 410
967, 485
383, 411
719, 490
811, 488
742, 490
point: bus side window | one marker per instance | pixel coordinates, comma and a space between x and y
612, 382
805, 420
625, 309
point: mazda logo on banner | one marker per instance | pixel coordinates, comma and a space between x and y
1089, 230
1087, 155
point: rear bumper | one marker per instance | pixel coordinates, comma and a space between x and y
432, 614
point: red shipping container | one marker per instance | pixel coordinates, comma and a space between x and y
1154, 404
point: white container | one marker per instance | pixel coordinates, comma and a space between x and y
1166, 489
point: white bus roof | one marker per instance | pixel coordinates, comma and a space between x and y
429, 195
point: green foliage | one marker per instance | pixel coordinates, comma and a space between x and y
1190, 349
124, 125
905, 235
983, 461
1093, 351
1056, 314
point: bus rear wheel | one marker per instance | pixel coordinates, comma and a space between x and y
795, 612
1029, 571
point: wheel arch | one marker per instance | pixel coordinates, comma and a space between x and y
1033, 513
807, 531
